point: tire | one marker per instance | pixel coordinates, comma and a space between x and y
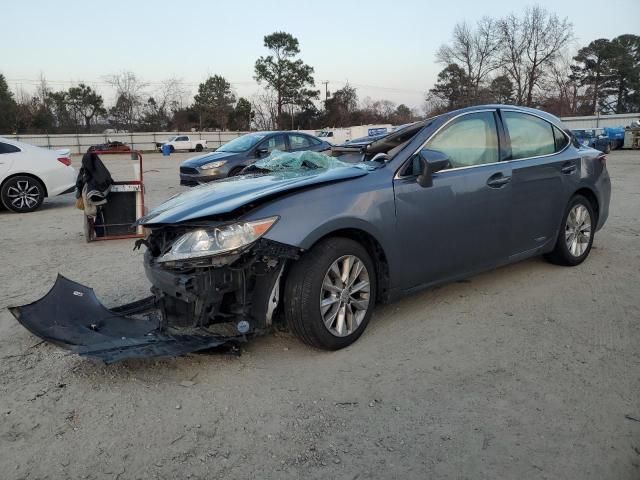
235, 171
608, 148
346, 315
22, 194
171, 149
199, 147
568, 250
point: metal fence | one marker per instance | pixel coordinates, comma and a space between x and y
79, 143
595, 121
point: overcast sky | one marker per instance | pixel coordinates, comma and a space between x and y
384, 48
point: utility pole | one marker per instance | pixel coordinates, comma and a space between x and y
326, 91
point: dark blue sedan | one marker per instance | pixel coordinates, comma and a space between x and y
232, 157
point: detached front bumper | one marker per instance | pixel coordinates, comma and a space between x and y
193, 308
71, 317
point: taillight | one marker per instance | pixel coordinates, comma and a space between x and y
603, 159
65, 160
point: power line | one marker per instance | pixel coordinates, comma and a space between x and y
378, 87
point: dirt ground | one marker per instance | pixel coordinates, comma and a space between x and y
530, 371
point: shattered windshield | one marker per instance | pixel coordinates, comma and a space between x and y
242, 144
285, 161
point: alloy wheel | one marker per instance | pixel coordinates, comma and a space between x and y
578, 230
23, 195
345, 295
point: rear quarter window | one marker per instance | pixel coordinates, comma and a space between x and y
561, 139
8, 148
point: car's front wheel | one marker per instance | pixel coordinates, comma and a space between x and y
330, 294
22, 194
576, 233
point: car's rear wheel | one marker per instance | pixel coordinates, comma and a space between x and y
22, 194
330, 294
198, 148
236, 171
576, 233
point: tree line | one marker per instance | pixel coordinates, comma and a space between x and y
288, 99
523, 59
518, 59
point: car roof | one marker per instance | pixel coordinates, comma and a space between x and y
272, 132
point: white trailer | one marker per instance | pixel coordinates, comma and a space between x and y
337, 136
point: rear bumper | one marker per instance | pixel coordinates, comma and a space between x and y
603, 187
61, 181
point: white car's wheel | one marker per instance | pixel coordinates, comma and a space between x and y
22, 194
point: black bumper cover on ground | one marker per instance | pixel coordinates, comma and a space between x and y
71, 316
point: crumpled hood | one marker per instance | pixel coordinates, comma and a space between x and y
224, 196
206, 158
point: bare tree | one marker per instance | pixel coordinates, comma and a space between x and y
264, 105
564, 86
130, 96
476, 51
171, 94
529, 45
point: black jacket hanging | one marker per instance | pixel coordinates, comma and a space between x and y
94, 174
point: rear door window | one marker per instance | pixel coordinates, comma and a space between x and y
530, 136
297, 141
277, 142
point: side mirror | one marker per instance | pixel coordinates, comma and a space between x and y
431, 161
262, 151
380, 157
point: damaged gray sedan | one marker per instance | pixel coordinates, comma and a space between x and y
323, 239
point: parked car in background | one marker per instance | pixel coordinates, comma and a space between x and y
232, 157
28, 174
593, 137
183, 142
616, 136
111, 147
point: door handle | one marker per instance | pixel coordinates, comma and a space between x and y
498, 180
568, 168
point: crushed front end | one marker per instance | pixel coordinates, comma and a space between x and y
235, 292
206, 294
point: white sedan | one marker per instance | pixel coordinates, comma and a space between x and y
28, 174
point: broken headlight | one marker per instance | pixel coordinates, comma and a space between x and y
207, 242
